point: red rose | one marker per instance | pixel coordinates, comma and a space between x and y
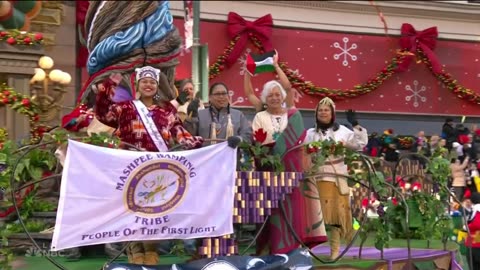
6, 93
416, 186
312, 149
260, 135
38, 36
5, 100
27, 40
25, 102
365, 203
3, 33
394, 201
11, 40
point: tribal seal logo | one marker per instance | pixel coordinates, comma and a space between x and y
156, 187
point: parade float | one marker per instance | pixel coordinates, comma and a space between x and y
401, 209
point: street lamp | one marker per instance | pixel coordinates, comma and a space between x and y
48, 89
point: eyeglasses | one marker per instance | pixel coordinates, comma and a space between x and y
220, 94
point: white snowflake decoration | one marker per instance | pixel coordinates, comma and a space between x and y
243, 61
345, 51
415, 93
239, 100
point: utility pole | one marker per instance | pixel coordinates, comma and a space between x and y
196, 48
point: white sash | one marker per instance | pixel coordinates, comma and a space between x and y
150, 126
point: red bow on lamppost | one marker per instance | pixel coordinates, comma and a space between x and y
425, 40
238, 26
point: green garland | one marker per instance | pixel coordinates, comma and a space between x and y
22, 104
371, 85
16, 37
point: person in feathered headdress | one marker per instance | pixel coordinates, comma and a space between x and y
334, 190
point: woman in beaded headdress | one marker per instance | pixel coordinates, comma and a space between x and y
334, 190
133, 119
149, 123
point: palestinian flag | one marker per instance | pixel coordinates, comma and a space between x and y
258, 63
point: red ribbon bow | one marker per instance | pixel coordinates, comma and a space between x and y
426, 40
237, 25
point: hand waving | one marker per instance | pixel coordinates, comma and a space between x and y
275, 59
182, 97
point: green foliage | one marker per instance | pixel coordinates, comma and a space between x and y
103, 139
428, 218
32, 226
6, 255
259, 154
32, 165
439, 168
43, 206
322, 152
178, 249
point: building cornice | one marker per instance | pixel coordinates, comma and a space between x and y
458, 21
420, 9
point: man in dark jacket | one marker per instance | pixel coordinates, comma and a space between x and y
449, 133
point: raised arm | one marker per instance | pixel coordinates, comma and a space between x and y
283, 79
465, 163
248, 87
106, 111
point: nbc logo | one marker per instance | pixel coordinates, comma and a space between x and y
42, 252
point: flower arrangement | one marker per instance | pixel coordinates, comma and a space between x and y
16, 37
427, 215
321, 151
22, 104
259, 155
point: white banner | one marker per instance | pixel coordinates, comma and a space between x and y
110, 195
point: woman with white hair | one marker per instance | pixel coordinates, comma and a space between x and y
274, 119
281, 128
